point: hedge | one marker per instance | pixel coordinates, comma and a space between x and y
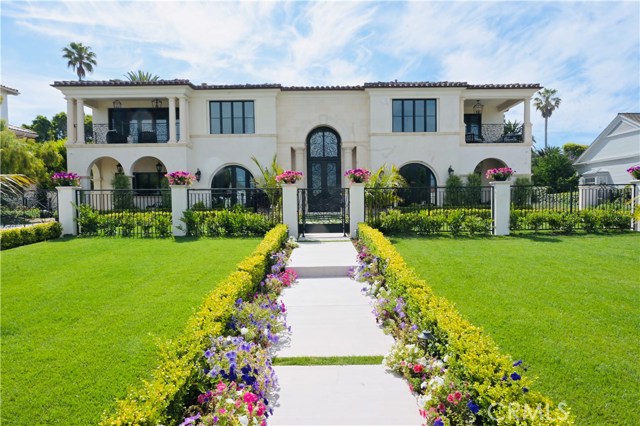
474, 357
16, 237
159, 401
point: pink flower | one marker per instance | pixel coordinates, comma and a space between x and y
458, 395
250, 397
418, 368
450, 398
222, 411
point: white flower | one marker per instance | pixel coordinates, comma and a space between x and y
244, 330
446, 358
243, 420
436, 382
229, 401
423, 385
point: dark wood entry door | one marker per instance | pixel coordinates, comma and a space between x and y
324, 171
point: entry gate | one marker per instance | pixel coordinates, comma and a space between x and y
323, 210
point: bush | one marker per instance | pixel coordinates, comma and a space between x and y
160, 400
473, 357
220, 223
122, 194
125, 224
16, 237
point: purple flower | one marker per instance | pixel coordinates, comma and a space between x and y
190, 420
473, 407
515, 376
208, 354
525, 390
438, 422
517, 363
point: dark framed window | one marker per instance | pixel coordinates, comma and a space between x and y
147, 181
231, 117
140, 125
414, 115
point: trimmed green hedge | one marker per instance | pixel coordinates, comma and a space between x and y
456, 221
475, 357
225, 223
16, 237
591, 220
159, 401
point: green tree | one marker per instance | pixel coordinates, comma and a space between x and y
80, 58
573, 150
88, 128
141, 76
550, 167
59, 125
473, 192
454, 191
17, 156
123, 196
512, 127
546, 102
43, 127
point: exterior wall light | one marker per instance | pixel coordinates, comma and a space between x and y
117, 104
477, 108
450, 170
198, 175
159, 167
119, 168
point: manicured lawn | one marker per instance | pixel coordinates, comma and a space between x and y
80, 318
569, 306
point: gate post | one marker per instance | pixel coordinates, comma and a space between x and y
356, 207
501, 207
290, 208
67, 209
179, 203
635, 205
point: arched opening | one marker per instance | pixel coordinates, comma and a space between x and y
232, 185
148, 176
102, 172
488, 164
422, 184
323, 170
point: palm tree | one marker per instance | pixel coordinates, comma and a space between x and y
80, 58
141, 76
546, 102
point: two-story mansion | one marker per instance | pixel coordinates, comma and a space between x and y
428, 130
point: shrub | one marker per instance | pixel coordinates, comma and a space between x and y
477, 225
475, 366
455, 220
160, 400
454, 191
88, 220
123, 195
473, 189
16, 237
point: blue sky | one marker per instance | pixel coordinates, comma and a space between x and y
588, 51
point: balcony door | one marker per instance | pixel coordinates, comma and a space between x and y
473, 126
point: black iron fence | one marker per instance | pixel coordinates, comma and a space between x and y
124, 212
323, 210
28, 207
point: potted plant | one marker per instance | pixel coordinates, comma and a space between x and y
65, 179
358, 175
634, 171
180, 178
289, 177
500, 174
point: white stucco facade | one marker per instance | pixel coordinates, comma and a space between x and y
283, 118
615, 150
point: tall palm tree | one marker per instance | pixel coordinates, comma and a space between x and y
546, 102
141, 76
80, 58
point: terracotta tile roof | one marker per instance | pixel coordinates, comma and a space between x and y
22, 132
374, 85
9, 90
633, 116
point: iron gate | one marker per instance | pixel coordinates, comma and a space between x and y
323, 210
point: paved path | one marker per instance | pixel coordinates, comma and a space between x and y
330, 317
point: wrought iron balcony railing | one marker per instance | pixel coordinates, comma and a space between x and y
146, 133
492, 133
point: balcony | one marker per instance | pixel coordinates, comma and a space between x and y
133, 133
492, 133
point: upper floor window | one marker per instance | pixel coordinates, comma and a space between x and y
414, 115
229, 117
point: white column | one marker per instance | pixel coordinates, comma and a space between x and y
585, 198
635, 205
66, 209
184, 119
80, 120
172, 119
501, 206
356, 207
527, 129
179, 203
290, 208
347, 163
71, 120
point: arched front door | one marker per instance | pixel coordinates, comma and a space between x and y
323, 168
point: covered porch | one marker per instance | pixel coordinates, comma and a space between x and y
484, 121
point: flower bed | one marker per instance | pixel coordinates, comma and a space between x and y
456, 371
178, 380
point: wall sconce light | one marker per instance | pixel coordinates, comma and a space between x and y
198, 175
119, 168
159, 167
477, 108
450, 171
117, 104
157, 103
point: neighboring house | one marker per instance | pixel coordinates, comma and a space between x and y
5, 92
610, 155
429, 130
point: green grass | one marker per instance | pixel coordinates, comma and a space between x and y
81, 318
569, 306
329, 360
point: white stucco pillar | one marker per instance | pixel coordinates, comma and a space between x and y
527, 129
347, 163
290, 207
172, 119
356, 207
66, 209
501, 207
184, 119
635, 201
80, 120
585, 197
300, 164
179, 203
71, 120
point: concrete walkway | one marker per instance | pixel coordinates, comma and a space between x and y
329, 316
